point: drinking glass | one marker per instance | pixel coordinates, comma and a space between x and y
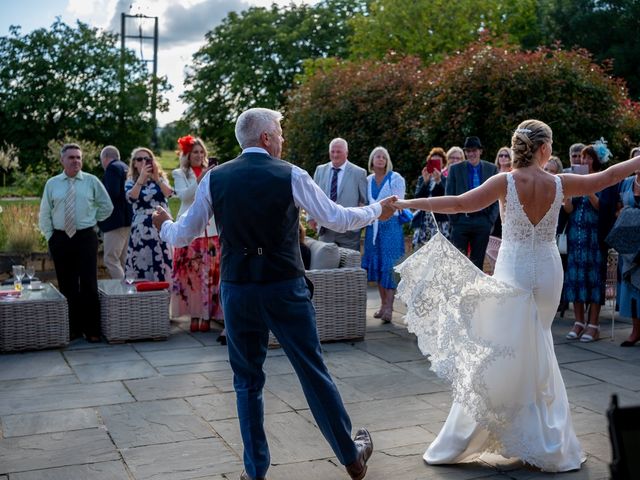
30, 270
18, 273
129, 279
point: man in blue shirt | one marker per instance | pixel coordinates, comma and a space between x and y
470, 231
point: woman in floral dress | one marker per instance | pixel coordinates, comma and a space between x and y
196, 268
148, 257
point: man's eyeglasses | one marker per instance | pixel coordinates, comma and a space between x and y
142, 159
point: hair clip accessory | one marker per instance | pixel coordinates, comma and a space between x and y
600, 146
186, 144
523, 130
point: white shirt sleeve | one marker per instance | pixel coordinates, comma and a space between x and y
191, 224
308, 195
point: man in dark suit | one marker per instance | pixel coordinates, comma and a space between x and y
344, 183
117, 227
470, 231
263, 286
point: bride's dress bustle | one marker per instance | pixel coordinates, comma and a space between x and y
491, 338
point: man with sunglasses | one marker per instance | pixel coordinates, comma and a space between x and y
73, 202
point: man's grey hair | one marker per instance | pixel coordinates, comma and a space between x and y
69, 146
109, 152
252, 123
339, 140
576, 147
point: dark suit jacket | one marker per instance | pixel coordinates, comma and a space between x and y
114, 177
458, 183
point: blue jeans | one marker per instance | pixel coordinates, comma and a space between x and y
285, 308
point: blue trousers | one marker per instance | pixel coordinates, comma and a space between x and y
285, 308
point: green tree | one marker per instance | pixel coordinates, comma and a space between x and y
65, 81
430, 29
607, 28
484, 90
169, 134
252, 58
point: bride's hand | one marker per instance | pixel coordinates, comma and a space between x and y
400, 205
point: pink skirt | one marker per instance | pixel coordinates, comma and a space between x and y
196, 280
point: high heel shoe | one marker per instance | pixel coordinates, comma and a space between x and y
630, 343
195, 324
572, 335
586, 338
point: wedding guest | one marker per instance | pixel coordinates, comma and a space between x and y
196, 268
344, 183
117, 227
584, 282
553, 166
504, 160
454, 155
72, 204
148, 257
384, 240
470, 231
629, 290
430, 184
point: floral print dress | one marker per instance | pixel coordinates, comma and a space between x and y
148, 257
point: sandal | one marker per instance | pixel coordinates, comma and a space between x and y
573, 334
204, 325
586, 338
195, 324
378, 314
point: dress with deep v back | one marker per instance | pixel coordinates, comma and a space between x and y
490, 336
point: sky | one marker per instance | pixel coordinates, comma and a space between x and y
182, 26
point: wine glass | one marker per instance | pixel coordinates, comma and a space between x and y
30, 270
129, 279
18, 273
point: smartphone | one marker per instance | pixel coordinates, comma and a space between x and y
434, 164
212, 161
580, 169
148, 161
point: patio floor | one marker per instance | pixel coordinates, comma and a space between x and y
166, 410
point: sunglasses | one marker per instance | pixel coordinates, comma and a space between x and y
503, 155
142, 159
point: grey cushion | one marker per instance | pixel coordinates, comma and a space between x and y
323, 255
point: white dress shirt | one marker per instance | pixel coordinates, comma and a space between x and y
306, 194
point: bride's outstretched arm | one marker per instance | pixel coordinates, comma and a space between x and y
471, 201
576, 185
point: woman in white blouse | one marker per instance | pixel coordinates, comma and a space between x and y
196, 268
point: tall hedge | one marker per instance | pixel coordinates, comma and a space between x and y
484, 91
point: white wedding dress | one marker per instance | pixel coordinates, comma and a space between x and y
491, 338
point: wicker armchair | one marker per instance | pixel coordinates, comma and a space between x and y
340, 299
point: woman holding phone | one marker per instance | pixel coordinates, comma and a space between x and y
431, 183
148, 257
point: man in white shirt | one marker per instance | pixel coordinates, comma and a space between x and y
344, 183
256, 199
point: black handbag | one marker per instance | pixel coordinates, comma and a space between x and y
624, 237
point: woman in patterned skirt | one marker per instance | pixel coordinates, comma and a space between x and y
196, 268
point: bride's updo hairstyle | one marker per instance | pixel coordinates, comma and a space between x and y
527, 139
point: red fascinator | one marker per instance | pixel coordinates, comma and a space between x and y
186, 144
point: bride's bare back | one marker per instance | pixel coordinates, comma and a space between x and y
536, 191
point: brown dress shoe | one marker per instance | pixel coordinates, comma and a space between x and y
364, 445
245, 476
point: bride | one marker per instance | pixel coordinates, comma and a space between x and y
491, 336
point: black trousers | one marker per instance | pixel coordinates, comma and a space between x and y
76, 263
473, 236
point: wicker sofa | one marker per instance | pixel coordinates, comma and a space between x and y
340, 299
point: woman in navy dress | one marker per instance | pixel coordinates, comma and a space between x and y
148, 257
384, 241
584, 280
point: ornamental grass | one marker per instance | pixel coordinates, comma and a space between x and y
19, 231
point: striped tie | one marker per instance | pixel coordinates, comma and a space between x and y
333, 195
70, 209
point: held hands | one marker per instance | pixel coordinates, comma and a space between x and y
388, 207
159, 217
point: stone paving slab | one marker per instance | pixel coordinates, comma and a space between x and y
106, 372
32, 365
575, 379
311, 470
49, 450
177, 340
222, 406
570, 353
60, 397
612, 371
149, 423
174, 386
196, 368
356, 363
287, 388
392, 349
48, 422
598, 397
290, 436
22, 383
186, 356
394, 385
114, 470
182, 460
105, 354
